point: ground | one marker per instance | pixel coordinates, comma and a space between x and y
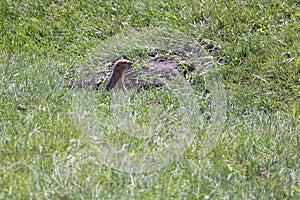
255, 48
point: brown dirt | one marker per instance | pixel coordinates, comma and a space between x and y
161, 68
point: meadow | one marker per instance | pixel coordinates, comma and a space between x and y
255, 47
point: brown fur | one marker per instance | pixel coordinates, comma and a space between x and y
117, 78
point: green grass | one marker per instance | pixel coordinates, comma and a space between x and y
43, 44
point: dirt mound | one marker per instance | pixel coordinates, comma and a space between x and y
142, 77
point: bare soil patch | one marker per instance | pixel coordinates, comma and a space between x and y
142, 77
